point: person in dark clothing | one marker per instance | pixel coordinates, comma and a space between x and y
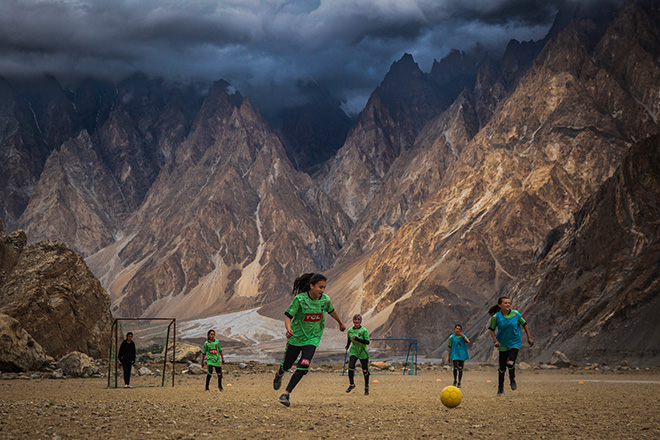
127, 357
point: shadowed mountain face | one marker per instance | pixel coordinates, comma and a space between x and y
442, 196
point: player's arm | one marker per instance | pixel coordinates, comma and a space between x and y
336, 317
466, 338
348, 343
449, 351
287, 324
222, 356
360, 340
491, 327
529, 337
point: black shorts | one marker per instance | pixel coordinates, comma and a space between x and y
353, 360
291, 354
210, 370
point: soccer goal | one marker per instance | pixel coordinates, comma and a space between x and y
155, 347
390, 356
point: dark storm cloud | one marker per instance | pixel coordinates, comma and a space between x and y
260, 46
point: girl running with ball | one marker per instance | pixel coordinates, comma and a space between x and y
304, 321
508, 339
458, 352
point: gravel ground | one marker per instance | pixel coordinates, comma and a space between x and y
546, 405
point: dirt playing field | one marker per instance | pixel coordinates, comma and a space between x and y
546, 405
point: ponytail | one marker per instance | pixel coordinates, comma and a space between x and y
496, 307
302, 283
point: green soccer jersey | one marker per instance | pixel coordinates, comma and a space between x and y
212, 350
358, 349
308, 318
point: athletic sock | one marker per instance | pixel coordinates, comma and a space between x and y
351, 377
295, 378
460, 376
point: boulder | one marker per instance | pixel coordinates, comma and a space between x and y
50, 290
380, 365
195, 369
18, 350
184, 352
76, 364
559, 360
144, 371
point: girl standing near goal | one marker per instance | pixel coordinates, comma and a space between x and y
304, 321
508, 339
358, 336
213, 353
458, 352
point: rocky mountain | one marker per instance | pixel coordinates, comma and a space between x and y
54, 296
548, 146
227, 225
314, 129
592, 291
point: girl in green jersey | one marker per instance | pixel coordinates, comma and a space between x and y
304, 321
213, 353
359, 337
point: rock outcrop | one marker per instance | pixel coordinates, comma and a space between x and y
51, 292
18, 350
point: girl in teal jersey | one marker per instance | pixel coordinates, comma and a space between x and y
359, 337
458, 352
508, 339
213, 353
304, 321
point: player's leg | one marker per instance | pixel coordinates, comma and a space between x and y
455, 370
218, 370
301, 369
501, 368
290, 354
127, 367
209, 373
511, 365
351, 373
365, 371
459, 367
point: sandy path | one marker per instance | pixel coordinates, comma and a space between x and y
547, 404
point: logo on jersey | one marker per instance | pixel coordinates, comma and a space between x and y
313, 317
213, 351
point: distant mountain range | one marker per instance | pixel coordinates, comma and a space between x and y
532, 175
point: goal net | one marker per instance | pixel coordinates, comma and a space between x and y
155, 349
390, 356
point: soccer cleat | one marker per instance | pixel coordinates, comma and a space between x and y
277, 382
284, 399
454, 384
366, 391
458, 385
221, 389
206, 389
350, 388
500, 391
125, 386
514, 385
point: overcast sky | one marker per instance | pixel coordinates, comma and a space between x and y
262, 47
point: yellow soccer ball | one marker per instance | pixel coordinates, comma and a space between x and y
451, 396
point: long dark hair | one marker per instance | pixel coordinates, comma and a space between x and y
302, 283
496, 307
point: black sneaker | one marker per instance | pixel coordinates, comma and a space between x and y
458, 385
277, 382
454, 384
221, 389
500, 391
514, 385
366, 391
284, 400
207, 388
350, 388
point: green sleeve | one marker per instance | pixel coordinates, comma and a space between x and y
449, 344
366, 335
521, 321
329, 307
493, 323
293, 308
205, 349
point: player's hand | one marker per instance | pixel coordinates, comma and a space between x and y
531, 342
346, 348
289, 333
342, 327
497, 344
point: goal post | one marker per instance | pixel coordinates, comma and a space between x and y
148, 334
390, 355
